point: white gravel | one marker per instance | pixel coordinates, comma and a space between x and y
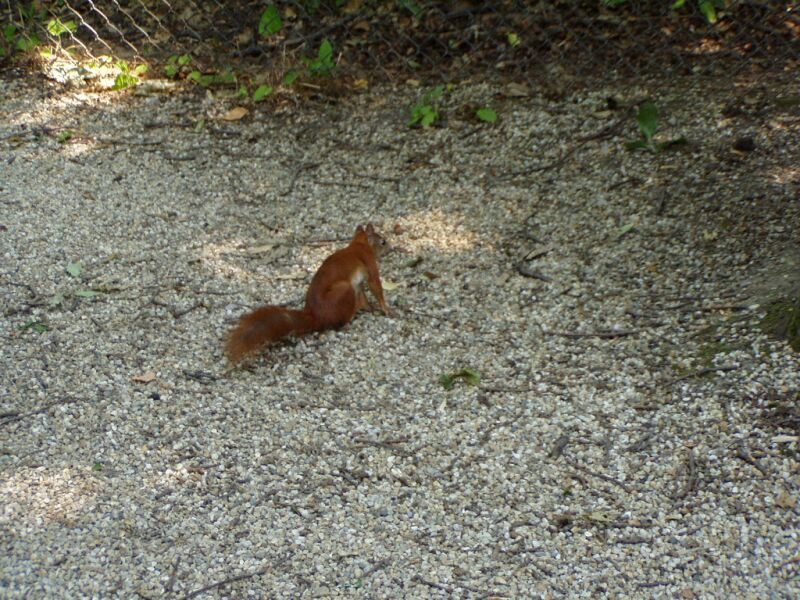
133, 464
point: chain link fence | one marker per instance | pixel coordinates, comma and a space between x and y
578, 40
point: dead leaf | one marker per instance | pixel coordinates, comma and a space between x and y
144, 378
259, 249
415, 83
785, 500
430, 275
351, 7
235, 114
599, 516
388, 284
517, 90
361, 84
245, 37
361, 26
687, 593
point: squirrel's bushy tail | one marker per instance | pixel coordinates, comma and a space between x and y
265, 325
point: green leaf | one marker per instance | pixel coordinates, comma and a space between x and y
37, 326
87, 293
194, 76
648, 120
123, 66
678, 4
411, 6
98, 466
486, 114
290, 78
57, 27
140, 69
513, 40
65, 136
326, 51
625, 229
447, 382
225, 77
434, 94
271, 22
74, 269
9, 32
124, 81
262, 92
56, 300
613, 3
184, 59
171, 71
470, 376
28, 43
708, 9
429, 116
637, 145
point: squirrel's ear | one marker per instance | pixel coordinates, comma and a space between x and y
359, 229
370, 228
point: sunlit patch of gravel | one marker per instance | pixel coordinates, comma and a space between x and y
620, 443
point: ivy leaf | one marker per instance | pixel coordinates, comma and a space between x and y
74, 269
290, 78
487, 115
262, 92
708, 9
271, 22
648, 120
471, 376
326, 52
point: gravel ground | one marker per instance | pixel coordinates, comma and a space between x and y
624, 440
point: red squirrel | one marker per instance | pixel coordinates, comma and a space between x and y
335, 295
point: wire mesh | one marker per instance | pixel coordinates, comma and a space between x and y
434, 40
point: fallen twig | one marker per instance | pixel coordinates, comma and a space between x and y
228, 581
597, 334
526, 271
702, 372
580, 467
743, 454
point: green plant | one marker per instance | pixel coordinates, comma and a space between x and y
225, 78
37, 326
647, 118
271, 21
57, 27
412, 7
782, 320
128, 78
487, 115
323, 64
262, 92
175, 64
426, 112
470, 376
707, 7
290, 77
19, 34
